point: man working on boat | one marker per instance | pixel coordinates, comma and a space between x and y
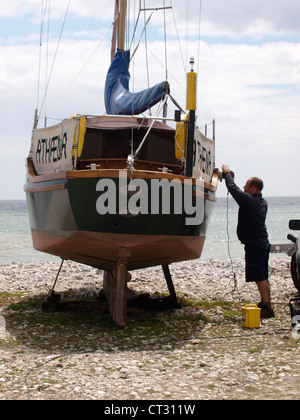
252, 232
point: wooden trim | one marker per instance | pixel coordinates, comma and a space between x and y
138, 174
210, 197
53, 187
117, 163
33, 177
114, 173
57, 187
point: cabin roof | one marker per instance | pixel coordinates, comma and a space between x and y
121, 123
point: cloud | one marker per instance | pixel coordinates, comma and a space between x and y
252, 90
219, 18
78, 8
236, 18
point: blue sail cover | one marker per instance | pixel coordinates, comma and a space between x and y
118, 99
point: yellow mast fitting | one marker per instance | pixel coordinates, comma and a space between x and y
191, 99
191, 90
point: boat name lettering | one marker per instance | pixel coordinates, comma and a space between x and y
52, 149
204, 157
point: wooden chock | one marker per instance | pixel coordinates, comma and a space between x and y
115, 288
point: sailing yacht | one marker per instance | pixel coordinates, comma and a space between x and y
123, 190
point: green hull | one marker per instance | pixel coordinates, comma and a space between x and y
65, 221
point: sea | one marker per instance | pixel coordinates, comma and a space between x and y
221, 241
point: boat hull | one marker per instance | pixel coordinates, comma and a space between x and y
65, 222
102, 250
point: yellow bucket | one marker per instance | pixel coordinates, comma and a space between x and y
251, 316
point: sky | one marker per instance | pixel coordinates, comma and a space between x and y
247, 56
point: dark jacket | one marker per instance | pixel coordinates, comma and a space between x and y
252, 214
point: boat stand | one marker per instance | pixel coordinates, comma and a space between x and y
117, 294
116, 290
171, 287
52, 297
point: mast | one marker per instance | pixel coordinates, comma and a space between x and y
118, 36
122, 24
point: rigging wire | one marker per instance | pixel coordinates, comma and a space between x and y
161, 64
187, 30
178, 39
94, 52
199, 45
235, 289
165, 37
136, 19
199, 34
55, 55
161, 106
127, 24
82, 68
146, 43
140, 41
136, 24
146, 50
40, 54
47, 57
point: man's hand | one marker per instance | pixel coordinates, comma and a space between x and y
225, 169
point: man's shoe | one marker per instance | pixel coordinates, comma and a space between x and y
266, 310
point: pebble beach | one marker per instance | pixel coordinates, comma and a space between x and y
198, 352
